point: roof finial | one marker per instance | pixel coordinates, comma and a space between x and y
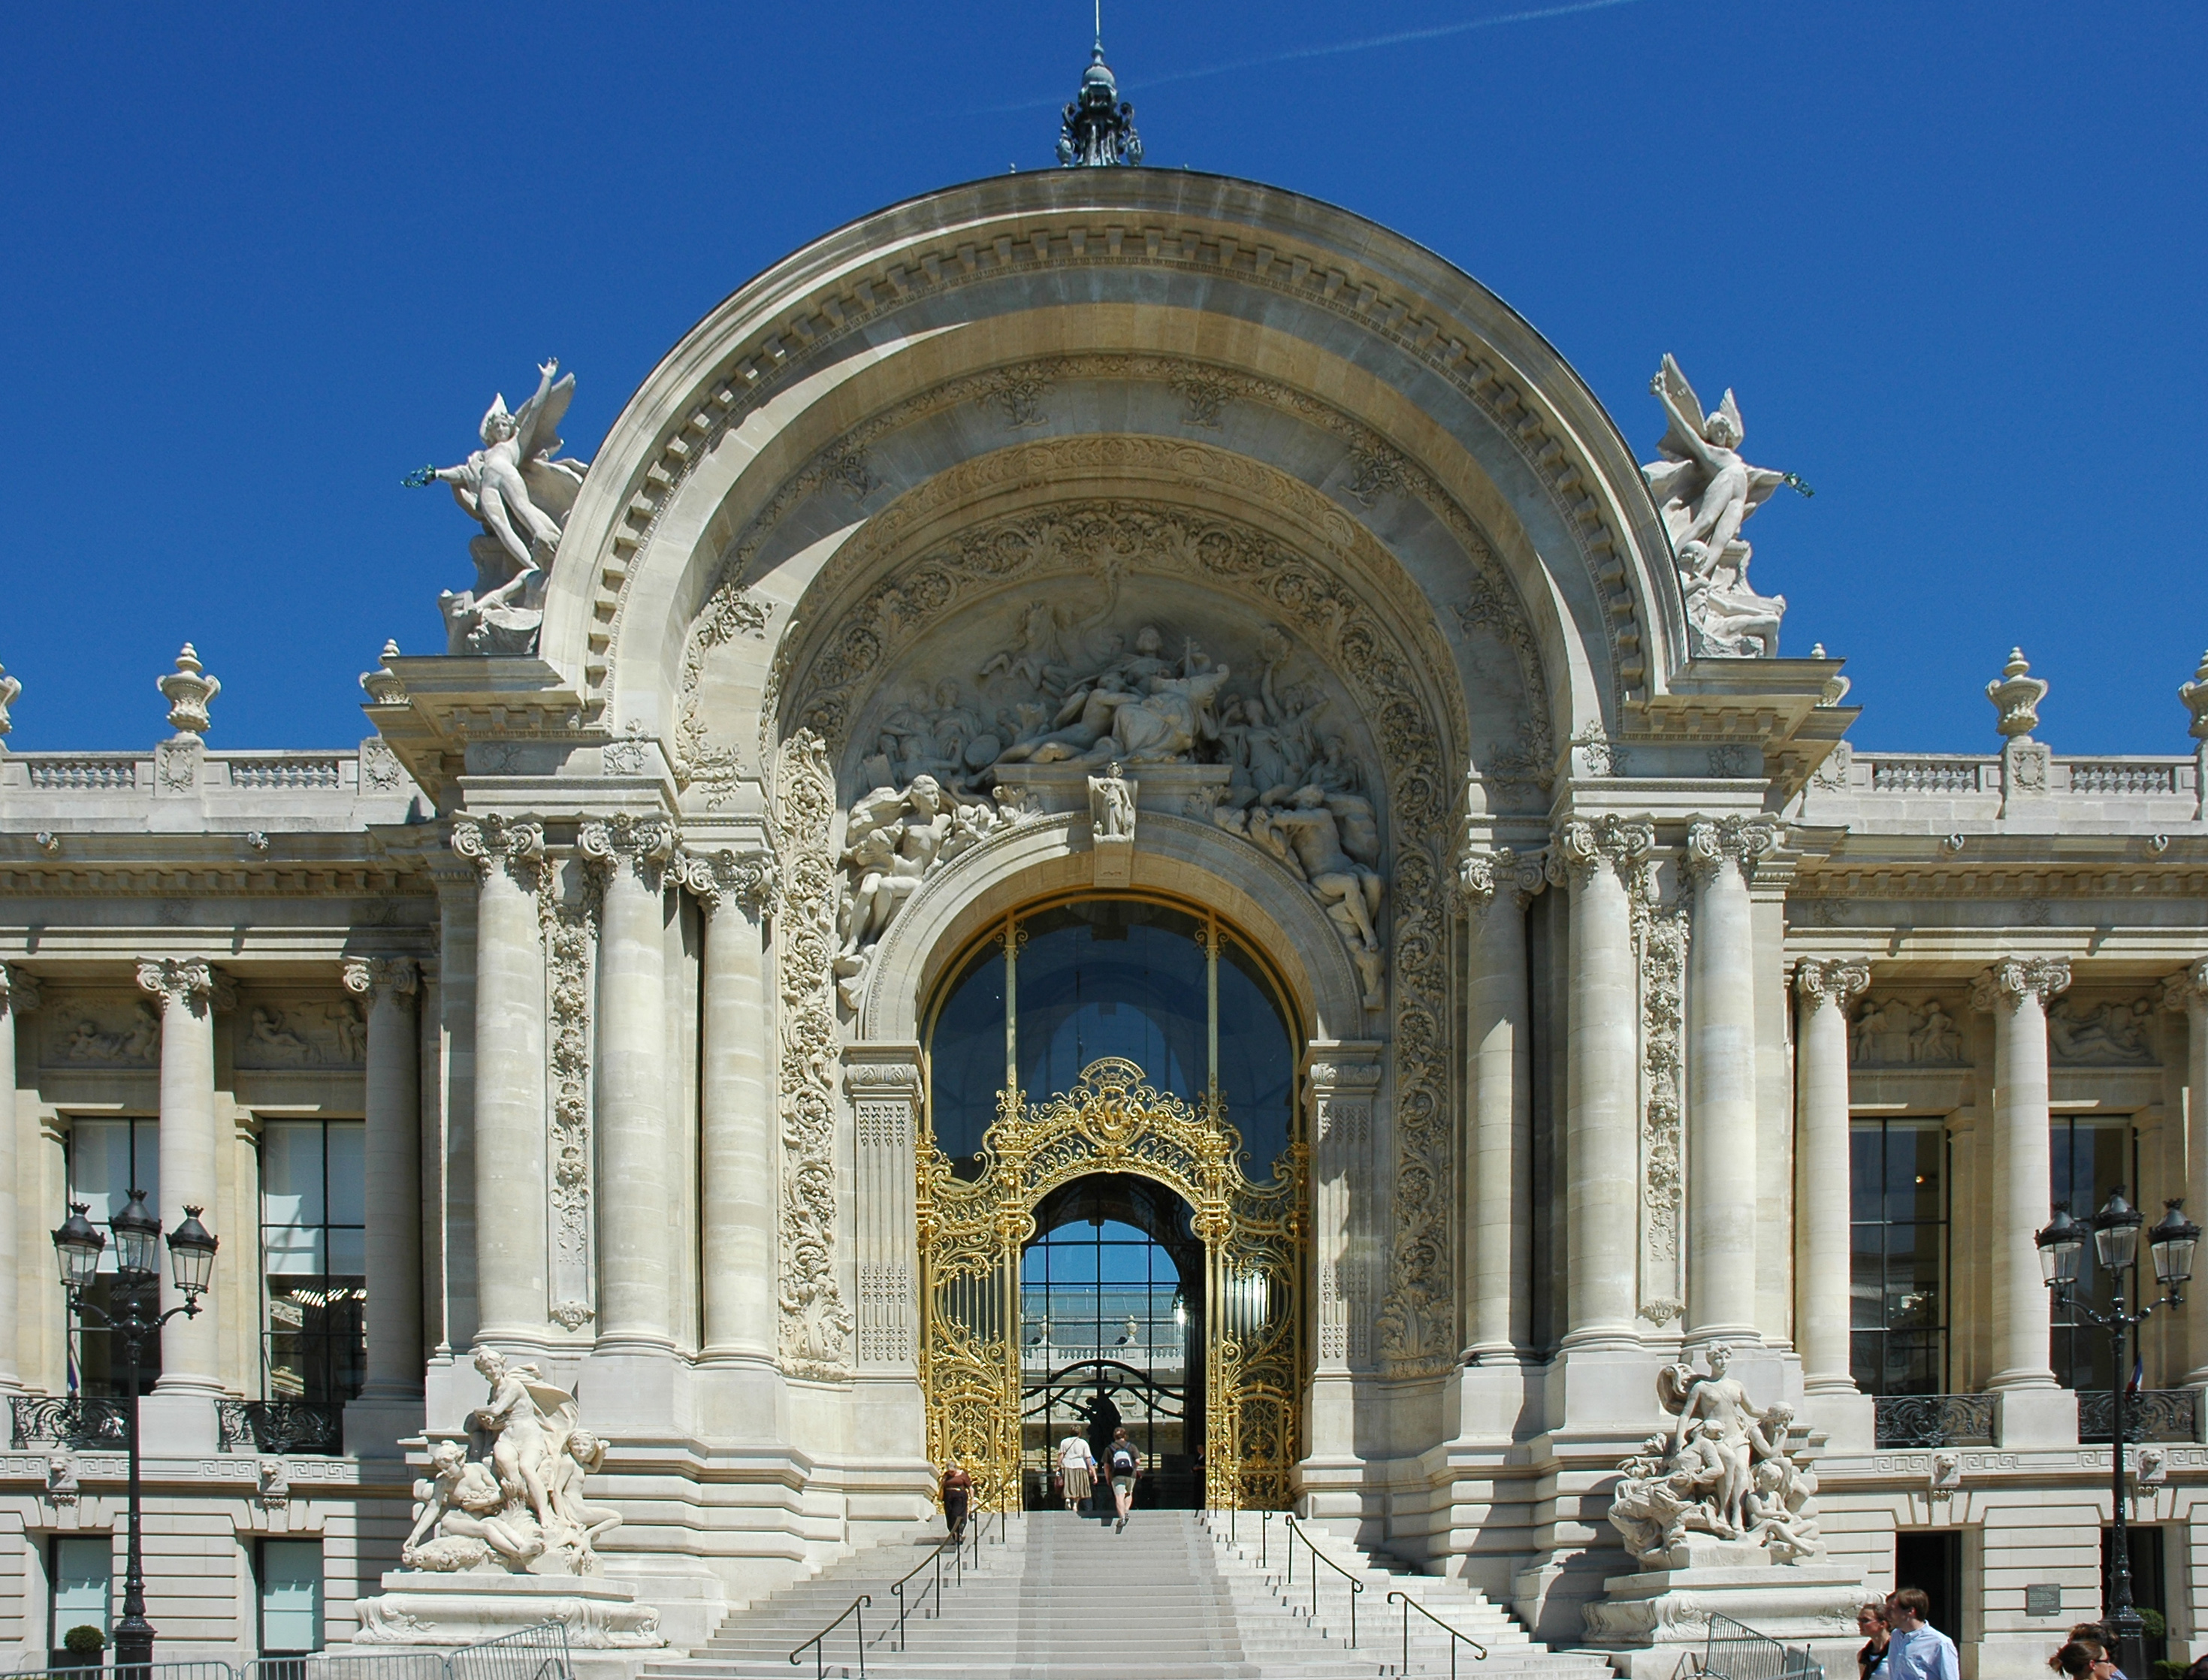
1098, 130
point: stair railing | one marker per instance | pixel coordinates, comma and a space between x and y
1409, 1605
934, 1560
859, 1609
1356, 1587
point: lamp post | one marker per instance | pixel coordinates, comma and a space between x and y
132, 1314
2115, 1243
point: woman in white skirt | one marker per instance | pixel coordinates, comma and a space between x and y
1077, 1469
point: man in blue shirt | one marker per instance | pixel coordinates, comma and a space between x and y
1918, 1650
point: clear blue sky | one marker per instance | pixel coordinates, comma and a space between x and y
256, 262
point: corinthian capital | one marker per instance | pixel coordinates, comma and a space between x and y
1584, 844
187, 982
2007, 984
496, 842
629, 845
1741, 842
379, 977
1837, 980
19, 992
1483, 874
2182, 990
719, 878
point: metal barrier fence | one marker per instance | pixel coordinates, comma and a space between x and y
1738, 1652
540, 1652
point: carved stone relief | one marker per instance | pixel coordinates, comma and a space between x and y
2108, 1034
1894, 1032
101, 1031
569, 903
816, 1321
1660, 941
276, 1032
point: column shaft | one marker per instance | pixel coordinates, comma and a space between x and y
737, 1114
509, 1105
1721, 1177
1600, 860
1821, 1266
1499, 1078
188, 1156
456, 1007
393, 1089
2017, 993
635, 1196
2195, 992
19, 994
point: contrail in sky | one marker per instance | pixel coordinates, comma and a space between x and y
1399, 38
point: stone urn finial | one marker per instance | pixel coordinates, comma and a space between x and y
187, 690
2193, 693
9, 689
2017, 695
381, 686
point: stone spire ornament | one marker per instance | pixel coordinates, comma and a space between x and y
2193, 693
2017, 694
10, 689
187, 690
1098, 130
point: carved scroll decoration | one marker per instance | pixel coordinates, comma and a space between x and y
569, 928
816, 1323
1659, 948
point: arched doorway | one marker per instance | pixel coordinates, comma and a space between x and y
1123, 1053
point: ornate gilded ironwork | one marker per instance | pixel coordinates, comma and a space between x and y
972, 1233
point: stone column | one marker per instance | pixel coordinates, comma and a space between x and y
19, 995
2016, 993
636, 1225
1499, 1082
1601, 860
2188, 992
736, 1120
457, 890
1822, 1255
393, 1146
509, 1097
189, 994
1721, 1180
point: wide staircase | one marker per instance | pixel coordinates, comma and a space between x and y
1052, 1597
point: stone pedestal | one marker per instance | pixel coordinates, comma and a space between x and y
1646, 1622
424, 1609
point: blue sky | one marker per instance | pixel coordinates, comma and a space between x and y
257, 262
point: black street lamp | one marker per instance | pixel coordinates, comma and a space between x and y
132, 1314
2115, 1243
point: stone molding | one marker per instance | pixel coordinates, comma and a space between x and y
1836, 980
379, 977
2006, 984
1582, 845
1742, 843
515, 845
727, 876
188, 983
1483, 876
624, 844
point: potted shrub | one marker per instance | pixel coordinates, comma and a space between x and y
84, 1644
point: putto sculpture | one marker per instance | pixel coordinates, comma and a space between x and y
1723, 1471
511, 1501
1707, 491
521, 491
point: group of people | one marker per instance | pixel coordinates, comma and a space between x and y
1900, 1644
1077, 1471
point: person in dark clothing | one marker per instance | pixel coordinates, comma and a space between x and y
1122, 1464
957, 1492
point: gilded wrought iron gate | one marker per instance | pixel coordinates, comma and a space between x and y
972, 1233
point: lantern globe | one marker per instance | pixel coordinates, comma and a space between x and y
2172, 1242
2061, 1249
77, 1248
191, 1254
2116, 1233
137, 1242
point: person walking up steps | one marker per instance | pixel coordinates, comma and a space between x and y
1124, 1465
1077, 1470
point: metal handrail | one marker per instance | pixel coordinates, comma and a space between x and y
1356, 1587
819, 1669
1397, 1595
897, 1587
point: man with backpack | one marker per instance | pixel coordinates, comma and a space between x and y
1124, 1464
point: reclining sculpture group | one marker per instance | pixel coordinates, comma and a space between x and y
523, 1510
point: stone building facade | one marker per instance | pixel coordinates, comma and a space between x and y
1106, 535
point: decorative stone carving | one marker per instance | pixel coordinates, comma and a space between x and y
21, 992
2016, 695
816, 1321
1583, 844
371, 977
728, 877
894, 839
187, 980
383, 686
515, 1500
327, 1035
501, 843
2106, 1032
1112, 826
2194, 694
1707, 492
1723, 1470
1842, 980
134, 1041
189, 690
1946, 1474
272, 1489
521, 492
10, 692
2004, 985
1313, 835
1484, 876
569, 928
62, 1489
1893, 1032
1097, 130
1740, 842
624, 843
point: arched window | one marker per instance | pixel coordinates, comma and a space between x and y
1176, 992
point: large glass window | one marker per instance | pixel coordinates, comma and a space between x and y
2091, 1159
289, 1580
107, 1160
1103, 1291
1176, 993
80, 1580
314, 1246
1898, 1210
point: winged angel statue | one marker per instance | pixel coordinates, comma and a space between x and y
520, 490
1707, 491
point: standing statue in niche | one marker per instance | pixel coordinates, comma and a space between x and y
1707, 491
521, 491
